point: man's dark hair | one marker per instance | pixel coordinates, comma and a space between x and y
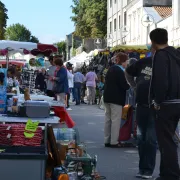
2, 76
12, 71
159, 36
58, 56
58, 62
51, 58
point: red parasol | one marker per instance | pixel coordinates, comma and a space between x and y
45, 49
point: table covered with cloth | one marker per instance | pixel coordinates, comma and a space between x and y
64, 116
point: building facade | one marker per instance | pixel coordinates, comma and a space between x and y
127, 21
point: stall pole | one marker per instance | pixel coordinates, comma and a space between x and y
7, 61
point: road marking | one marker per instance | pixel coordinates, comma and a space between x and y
89, 142
133, 168
136, 162
92, 123
131, 152
91, 147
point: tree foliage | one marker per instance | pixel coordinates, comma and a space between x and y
90, 18
18, 32
34, 39
61, 48
3, 20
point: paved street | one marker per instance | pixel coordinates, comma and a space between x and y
115, 164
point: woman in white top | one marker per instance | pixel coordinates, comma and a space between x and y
70, 83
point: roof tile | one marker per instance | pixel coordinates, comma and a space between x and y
164, 12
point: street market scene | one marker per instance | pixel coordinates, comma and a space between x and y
89, 90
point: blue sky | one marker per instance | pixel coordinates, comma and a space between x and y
49, 20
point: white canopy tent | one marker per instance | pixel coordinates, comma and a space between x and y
78, 60
15, 45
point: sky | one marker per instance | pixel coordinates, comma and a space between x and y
48, 20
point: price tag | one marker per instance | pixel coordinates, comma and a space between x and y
2, 150
63, 130
30, 128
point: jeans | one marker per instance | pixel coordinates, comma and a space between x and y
68, 98
77, 87
165, 130
72, 90
147, 144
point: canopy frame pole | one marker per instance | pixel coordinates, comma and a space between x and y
7, 60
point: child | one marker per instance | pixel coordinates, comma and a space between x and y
100, 86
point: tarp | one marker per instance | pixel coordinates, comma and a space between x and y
26, 48
15, 45
79, 58
14, 62
133, 48
45, 49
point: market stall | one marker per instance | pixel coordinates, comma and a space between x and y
27, 140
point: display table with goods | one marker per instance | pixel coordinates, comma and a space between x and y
57, 107
32, 149
75, 161
26, 121
23, 147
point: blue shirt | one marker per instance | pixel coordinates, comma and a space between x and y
79, 77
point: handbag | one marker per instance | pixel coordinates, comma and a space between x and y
58, 88
125, 111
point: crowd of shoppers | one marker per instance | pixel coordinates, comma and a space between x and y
61, 82
156, 83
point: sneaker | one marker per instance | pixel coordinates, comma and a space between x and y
68, 109
139, 174
146, 175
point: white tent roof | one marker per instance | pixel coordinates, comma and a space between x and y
79, 58
16, 45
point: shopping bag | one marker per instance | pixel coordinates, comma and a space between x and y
126, 126
125, 111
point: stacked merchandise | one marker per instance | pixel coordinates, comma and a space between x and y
76, 162
28, 79
13, 135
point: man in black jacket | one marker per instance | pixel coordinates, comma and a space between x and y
147, 146
165, 88
114, 99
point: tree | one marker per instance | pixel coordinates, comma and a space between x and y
18, 32
34, 39
61, 48
3, 20
90, 18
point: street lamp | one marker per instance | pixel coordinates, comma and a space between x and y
147, 21
107, 38
98, 42
125, 32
